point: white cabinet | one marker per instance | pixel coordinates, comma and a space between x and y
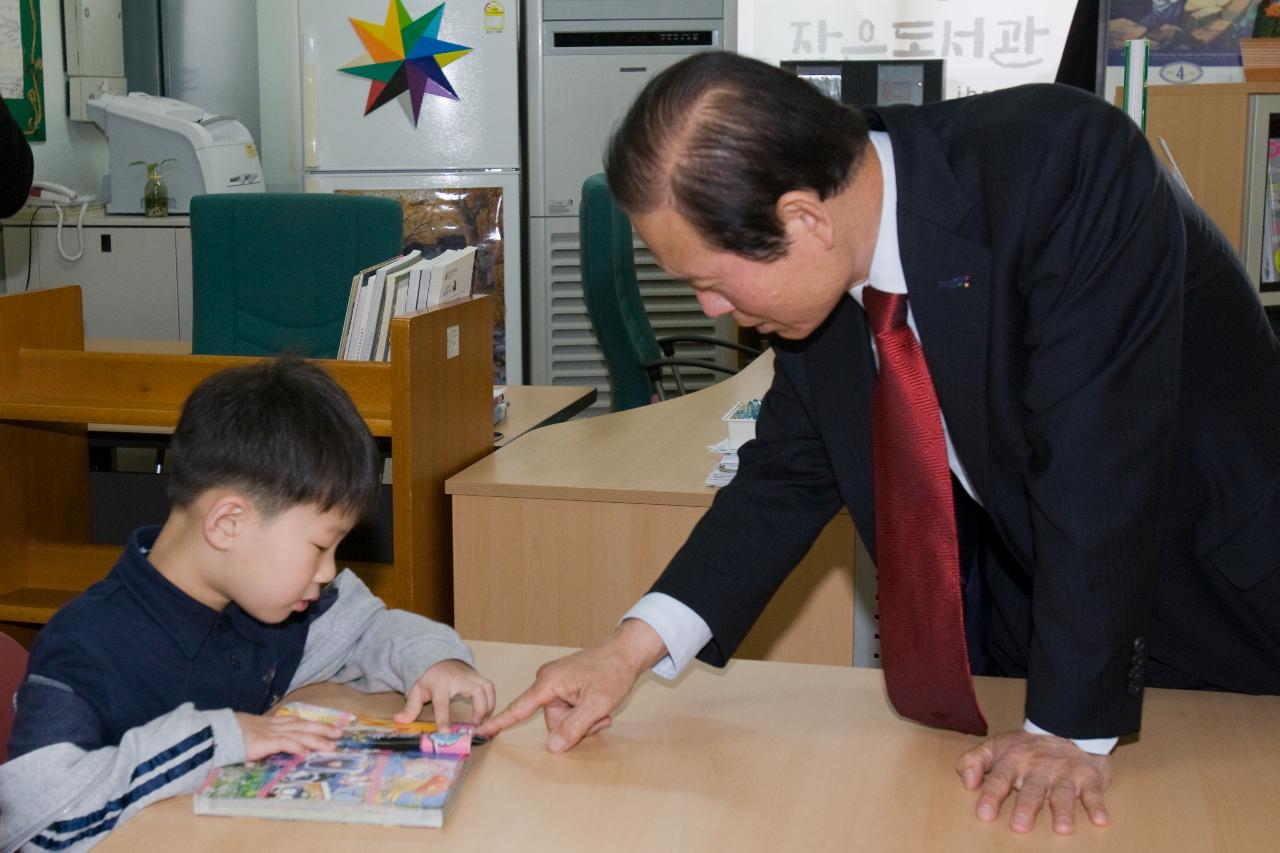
135, 271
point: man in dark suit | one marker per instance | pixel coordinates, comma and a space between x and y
1109, 390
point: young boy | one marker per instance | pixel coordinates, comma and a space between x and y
163, 670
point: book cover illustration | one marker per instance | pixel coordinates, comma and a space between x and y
354, 786
382, 772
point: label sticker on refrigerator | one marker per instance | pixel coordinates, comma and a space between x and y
452, 342
495, 17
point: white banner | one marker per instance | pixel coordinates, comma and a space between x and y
985, 44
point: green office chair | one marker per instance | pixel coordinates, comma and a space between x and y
635, 356
271, 272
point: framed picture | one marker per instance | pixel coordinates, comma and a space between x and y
1187, 36
22, 65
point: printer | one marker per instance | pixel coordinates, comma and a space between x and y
210, 153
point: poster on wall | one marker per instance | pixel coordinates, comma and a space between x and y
22, 65
984, 44
1192, 41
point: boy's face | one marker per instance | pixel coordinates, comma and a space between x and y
280, 563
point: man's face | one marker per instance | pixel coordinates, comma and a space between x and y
789, 296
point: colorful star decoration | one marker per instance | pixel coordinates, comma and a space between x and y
404, 55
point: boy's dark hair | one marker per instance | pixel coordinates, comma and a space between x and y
722, 137
280, 430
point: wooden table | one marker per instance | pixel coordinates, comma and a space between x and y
558, 534
786, 757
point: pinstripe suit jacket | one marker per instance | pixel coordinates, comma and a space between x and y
1109, 381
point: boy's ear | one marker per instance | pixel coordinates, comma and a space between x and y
806, 211
226, 517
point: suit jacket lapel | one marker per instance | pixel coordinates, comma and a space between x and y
840, 360
948, 272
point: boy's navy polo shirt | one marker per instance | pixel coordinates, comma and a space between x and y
134, 646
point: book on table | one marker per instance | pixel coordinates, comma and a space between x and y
381, 772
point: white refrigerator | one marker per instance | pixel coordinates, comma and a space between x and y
418, 100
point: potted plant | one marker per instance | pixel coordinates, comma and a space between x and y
1260, 55
155, 195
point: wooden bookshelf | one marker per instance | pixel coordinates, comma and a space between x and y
436, 407
1206, 128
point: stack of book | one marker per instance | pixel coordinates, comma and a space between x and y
500, 402
1271, 216
402, 285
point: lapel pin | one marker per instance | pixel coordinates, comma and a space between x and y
954, 282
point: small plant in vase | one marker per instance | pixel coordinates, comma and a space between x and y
155, 195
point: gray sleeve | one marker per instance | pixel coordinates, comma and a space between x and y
359, 642
63, 797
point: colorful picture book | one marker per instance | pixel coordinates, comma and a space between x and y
382, 772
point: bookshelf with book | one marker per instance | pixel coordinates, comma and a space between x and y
433, 401
1219, 137
399, 287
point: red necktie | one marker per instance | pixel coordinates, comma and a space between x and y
922, 641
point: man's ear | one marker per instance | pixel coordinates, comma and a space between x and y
803, 212
225, 519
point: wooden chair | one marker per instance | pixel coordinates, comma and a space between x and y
13, 668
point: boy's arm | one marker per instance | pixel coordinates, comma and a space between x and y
358, 641
62, 796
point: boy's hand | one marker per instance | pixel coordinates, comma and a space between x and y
268, 735
442, 682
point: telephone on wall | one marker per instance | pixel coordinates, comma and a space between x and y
49, 194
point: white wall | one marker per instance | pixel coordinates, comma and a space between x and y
74, 152
280, 92
986, 44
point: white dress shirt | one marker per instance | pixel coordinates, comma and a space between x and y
685, 632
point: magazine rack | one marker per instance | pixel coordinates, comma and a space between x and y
433, 400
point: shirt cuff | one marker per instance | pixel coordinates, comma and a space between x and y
683, 631
1094, 746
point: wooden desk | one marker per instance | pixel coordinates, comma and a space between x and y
786, 757
558, 534
534, 406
